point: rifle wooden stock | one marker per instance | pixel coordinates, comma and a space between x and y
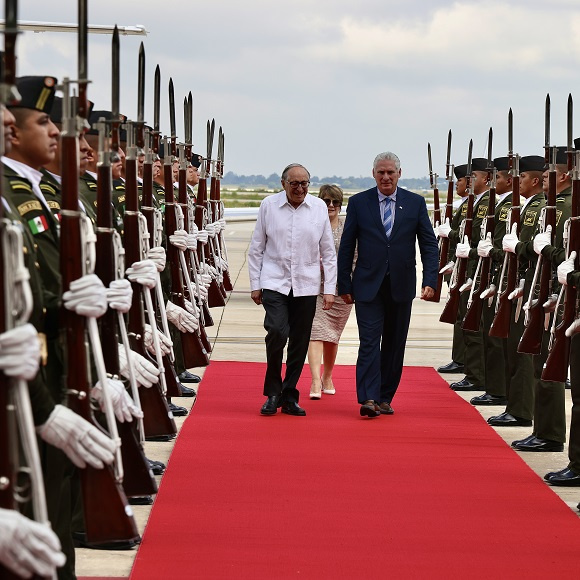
472, 319
194, 354
108, 516
449, 314
531, 340
228, 286
500, 327
138, 479
558, 361
157, 418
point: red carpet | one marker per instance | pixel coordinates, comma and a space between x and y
428, 493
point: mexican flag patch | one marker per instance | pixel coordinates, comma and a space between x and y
38, 224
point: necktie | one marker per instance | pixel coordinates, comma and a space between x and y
388, 217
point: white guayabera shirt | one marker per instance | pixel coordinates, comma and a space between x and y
289, 245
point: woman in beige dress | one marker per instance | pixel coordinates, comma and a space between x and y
328, 324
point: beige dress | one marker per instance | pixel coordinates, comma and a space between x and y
329, 324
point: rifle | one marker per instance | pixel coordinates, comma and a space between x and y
472, 319
500, 326
194, 354
536, 319
108, 516
158, 421
138, 480
228, 286
436, 220
558, 361
449, 314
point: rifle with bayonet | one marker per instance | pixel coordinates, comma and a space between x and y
558, 361
449, 314
481, 278
194, 353
228, 286
108, 516
500, 327
536, 318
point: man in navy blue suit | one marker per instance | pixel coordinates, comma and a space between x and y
383, 224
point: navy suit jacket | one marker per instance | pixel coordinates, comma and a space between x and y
364, 230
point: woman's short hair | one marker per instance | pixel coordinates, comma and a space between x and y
331, 191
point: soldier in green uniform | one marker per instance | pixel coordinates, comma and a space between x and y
520, 366
474, 365
458, 346
496, 377
549, 432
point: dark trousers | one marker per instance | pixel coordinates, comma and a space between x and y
574, 446
288, 320
382, 329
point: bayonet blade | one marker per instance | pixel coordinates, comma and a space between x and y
156, 99
115, 74
430, 164
172, 109
510, 133
547, 130
186, 121
141, 86
83, 60
210, 133
469, 157
220, 154
448, 159
489, 147
190, 107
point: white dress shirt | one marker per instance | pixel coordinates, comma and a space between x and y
289, 245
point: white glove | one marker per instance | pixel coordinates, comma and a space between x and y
146, 373
203, 292
447, 269
180, 318
191, 308
462, 249
119, 295
517, 292
222, 223
550, 304
443, 230
573, 328
86, 296
28, 548
179, 239
157, 254
192, 241
202, 236
542, 240
488, 292
565, 268
210, 229
510, 241
20, 352
82, 442
143, 272
165, 343
467, 286
123, 404
485, 246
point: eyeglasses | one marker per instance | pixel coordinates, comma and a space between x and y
334, 202
297, 184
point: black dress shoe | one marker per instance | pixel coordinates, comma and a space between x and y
507, 420
452, 367
370, 409
292, 408
464, 385
80, 541
564, 477
177, 410
539, 445
187, 377
186, 391
270, 407
489, 400
157, 467
162, 438
141, 500
524, 440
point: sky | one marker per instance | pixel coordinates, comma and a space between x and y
332, 83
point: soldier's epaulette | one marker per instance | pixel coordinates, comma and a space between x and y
561, 199
534, 203
18, 185
482, 211
503, 214
119, 188
32, 205
48, 188
91, 185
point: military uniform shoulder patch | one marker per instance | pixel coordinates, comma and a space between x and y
530, 218
32, 205
121, 199
482, 211
54, 205
558, 215
38, 224
534, 203
503, 214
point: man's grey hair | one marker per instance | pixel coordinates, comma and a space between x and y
289, 167
387, 156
